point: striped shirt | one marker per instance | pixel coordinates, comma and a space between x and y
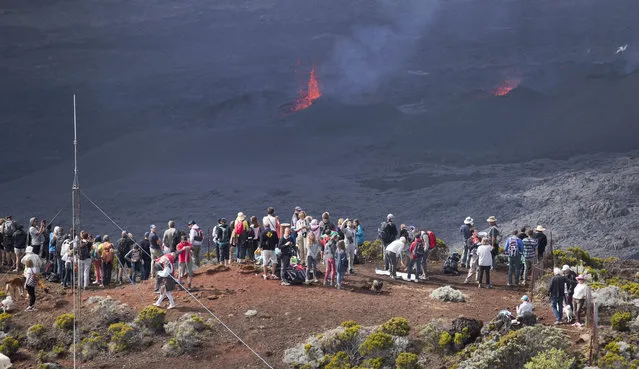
530, 247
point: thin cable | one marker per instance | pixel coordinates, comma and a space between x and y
187, 291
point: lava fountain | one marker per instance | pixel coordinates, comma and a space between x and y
505, 87
308, 95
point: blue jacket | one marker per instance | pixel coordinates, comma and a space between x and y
520, 245
359, 235
341, 262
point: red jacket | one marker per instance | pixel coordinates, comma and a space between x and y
413, 247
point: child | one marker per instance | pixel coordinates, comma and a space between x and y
312, 250
329, 258
166, 283
68, 268
185, 264
341, 260
31, 281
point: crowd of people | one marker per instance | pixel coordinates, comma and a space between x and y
282, 249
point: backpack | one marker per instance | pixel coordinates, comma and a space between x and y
199, 235
419, 250
107, 253
225, 237
176, 239
451, 264
8, 229
383, 234
513, 248
432, 240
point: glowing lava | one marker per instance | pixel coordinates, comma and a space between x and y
505, 87
312, 93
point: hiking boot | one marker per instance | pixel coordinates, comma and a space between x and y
29, 308
284, 283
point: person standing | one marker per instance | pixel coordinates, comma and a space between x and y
196, 237
124, 246
484, 261
388, 234
96, 260
171, 237
107, 256
223, 233
30, 283
514, 248
330, 251
417, 251
295, 216
350, 243
494, 236
58, 240
301, 227
571, 283
185, 262
359, 232
473, 244
341, 261
134, 258
530, 253
268, 243
36, 234
20, 244
465, 231
326, 227
580, 296
239, 233
286, 247
557, 293
8, 229
145, 248
84, 263
156, 247
312, 254
272, 221
253, 238
542, 242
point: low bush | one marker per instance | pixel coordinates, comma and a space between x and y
348, 324
64, 322
375, 343
5, 320
187, 333
448, 294
371, 250
551, 359
152, 317
91, 346
406, 360
35, 336
123, 337
445, 339
396, 326
619, 320
9, 346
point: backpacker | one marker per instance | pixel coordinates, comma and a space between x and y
176, 239
451, 264
513, 247
419, 249
432, 240
8, 229
107, 252
224, 234
199, 235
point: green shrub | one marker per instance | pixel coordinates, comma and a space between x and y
375, 343
431, 334
371, 250
406, 360
152, 317
339, 361
59, 350
613, 360
597, 285
35, 335
461, 337
5, 319
396, 326
122, 337
3, 294
9, 346
632, 289
445, 339
64, 322
349, 323
619, 320
551, 359
91, 346
372, 363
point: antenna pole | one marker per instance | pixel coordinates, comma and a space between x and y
75, 229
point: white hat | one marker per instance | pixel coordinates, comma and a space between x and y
468, 220
491, 219
403, 239
241, 216
29, 249
556, 271
390, 216
540, 228
564, 268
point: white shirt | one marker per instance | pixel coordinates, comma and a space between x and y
525, 308
484, 257
37, 262
271, 221
580, 291
192, 233
397, 247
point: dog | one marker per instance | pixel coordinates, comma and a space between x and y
7, 304
568, 315
15, 284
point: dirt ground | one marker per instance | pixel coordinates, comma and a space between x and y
286, 315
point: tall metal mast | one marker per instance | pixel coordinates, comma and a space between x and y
75, 200
75, 230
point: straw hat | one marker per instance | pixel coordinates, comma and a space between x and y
540, 228
241, 217
468, 220
491, 219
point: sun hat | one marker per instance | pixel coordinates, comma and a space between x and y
524, 298
29, 249
556, 271
390, 217
153, 226
403, 239
491, 219
581, 277
468, 220
540, 228
241, 216
564, 268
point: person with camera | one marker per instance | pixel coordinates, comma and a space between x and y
301, 227
36, 234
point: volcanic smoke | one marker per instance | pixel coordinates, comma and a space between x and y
505, 87
312, 93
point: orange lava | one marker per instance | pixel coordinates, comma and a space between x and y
505, 87
312, 93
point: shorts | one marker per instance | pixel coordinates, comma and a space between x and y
268, 256
184, 268
8, 248
20, 251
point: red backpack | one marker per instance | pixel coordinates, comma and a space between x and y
432, 240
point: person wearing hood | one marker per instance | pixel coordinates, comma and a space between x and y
196, 237
359, 232
20, 244
36, 234
393, 252
287, 248
350, 244
315, 228
35, 259
465, 235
